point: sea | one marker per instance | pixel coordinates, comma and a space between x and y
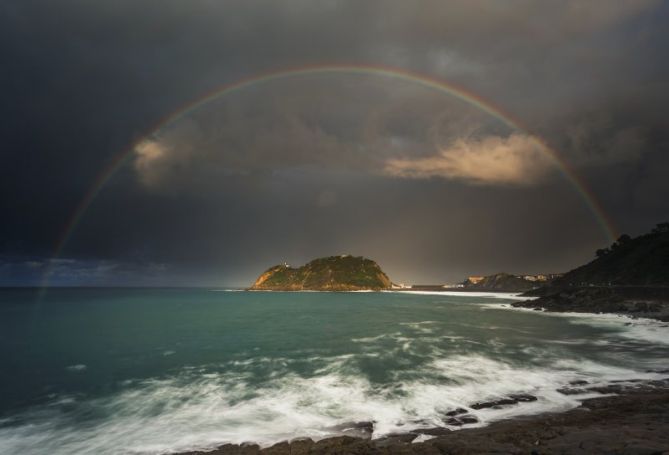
153, 371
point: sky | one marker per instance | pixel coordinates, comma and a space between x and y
430, 185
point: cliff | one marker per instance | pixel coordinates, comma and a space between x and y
639, 261
500, 282
630, 277
334, 273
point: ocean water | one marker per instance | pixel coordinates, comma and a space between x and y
147, 371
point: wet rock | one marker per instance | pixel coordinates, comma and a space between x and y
571, 391
494, 404
355, 429
468, 419
452, 421
579, 382
523, 398
342, 445
635, 422
510, 400
280, 448
231, 449
395, 439
249, 448
300, 446
456, 412
461, 420
436, 431
611, 388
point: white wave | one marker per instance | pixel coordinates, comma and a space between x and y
423, 438
640, 329
76, 368
197, 411
634, 328
467, 294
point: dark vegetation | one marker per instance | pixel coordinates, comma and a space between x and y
630, 277
640, 261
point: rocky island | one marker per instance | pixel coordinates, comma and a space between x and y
333, 273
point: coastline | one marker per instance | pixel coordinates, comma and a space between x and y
651, 302
627, 418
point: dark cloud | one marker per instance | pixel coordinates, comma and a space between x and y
325, 164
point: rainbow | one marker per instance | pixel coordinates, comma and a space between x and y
429, 82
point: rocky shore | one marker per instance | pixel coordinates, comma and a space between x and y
635, 301
631, 417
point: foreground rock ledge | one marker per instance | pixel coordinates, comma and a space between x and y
634, 423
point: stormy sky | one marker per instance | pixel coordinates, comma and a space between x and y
430, 186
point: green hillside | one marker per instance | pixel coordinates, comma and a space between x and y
334, 273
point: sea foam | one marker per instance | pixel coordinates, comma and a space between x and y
194, 410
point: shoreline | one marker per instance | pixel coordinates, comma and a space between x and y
627, 417
635, 302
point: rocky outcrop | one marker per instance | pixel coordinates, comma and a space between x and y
634, 422
635, 301
334, 273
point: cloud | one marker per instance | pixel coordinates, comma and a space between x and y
74, 272
588, 76
148, 155
514, 160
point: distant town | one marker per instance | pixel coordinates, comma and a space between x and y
499, 280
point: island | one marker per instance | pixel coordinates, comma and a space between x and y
333, 273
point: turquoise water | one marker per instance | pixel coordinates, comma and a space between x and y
157, 370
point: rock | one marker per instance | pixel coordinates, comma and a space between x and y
611, 388
395, 439
455, 412
579, 382
231, 449
248, 448
461, 420
452, 421
523, 398
468, 419
300, 446
280, 448
340, 445
436, 431
362, 430
510, 400
571, 391
494, 404
636, 422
